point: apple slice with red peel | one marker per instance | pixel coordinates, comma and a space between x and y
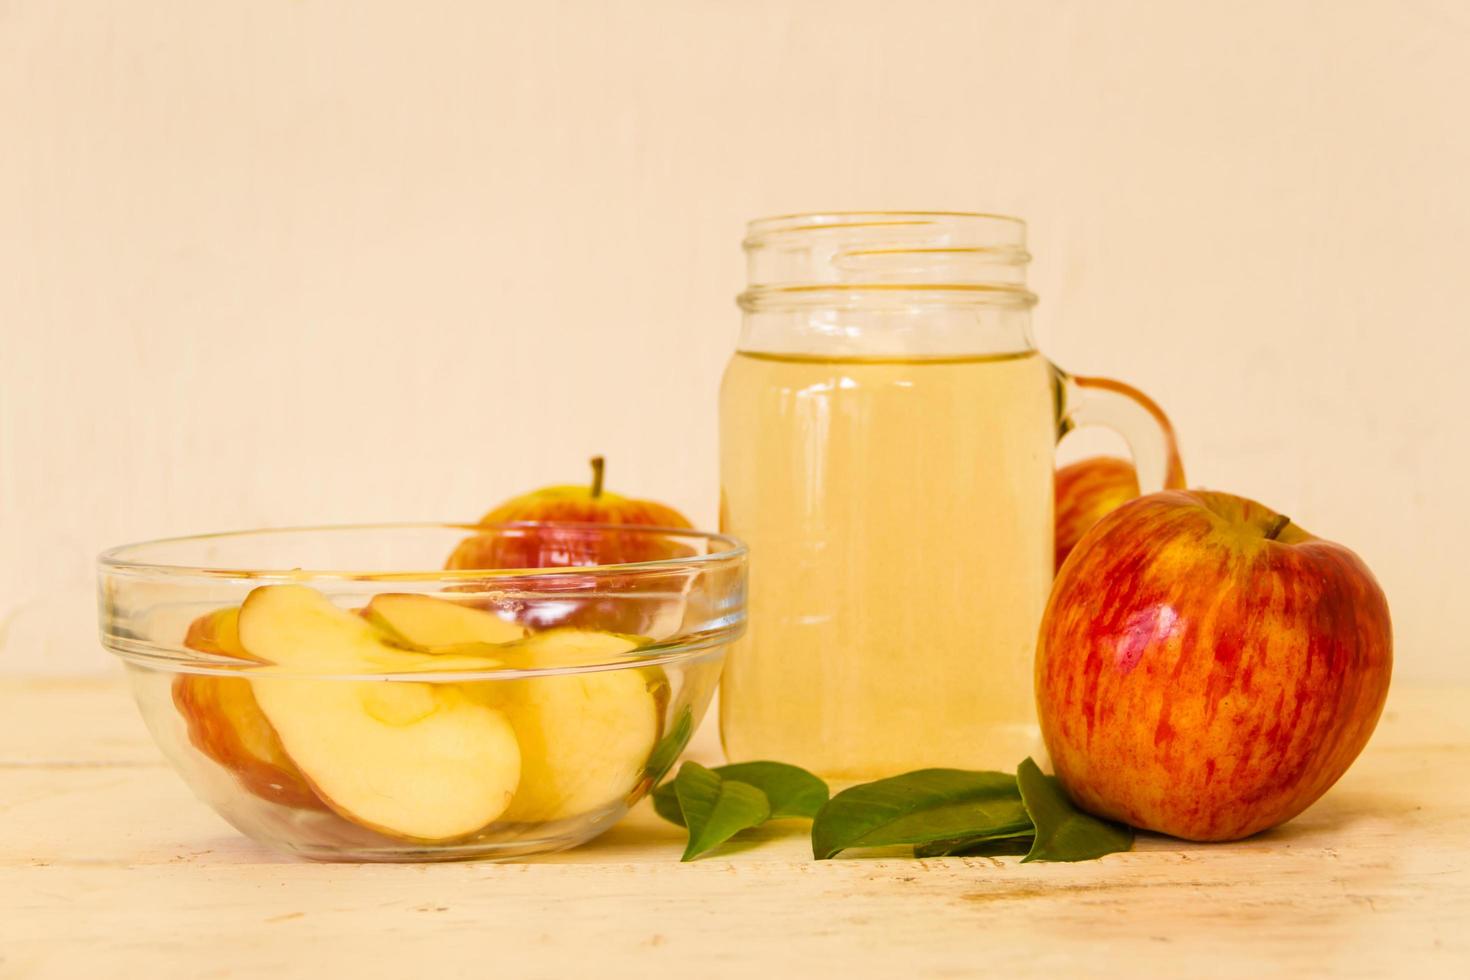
226, 724
433, 625
217, 632
420, 761
585, 738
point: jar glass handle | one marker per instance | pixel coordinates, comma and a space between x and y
1131, 414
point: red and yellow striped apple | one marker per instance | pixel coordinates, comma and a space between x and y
1090, 489
561, 539
1208, 669
552, 546
1086, 492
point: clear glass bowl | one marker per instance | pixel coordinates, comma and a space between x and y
331, 696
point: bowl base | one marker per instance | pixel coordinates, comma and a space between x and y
509, 850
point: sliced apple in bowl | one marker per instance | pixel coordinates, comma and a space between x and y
412, 760
585, 737
225, 722
299, 630
422, 761
217, 632
438, 625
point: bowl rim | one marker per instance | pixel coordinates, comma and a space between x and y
687, 650
115, 560
115, 563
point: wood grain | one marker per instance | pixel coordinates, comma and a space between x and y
109, 867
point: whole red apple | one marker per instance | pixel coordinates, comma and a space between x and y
1087, 491
560, 538
1206, 668
558, 542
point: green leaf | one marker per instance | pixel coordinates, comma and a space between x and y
791, 790
1063, 832
716, 809
668, 748
666, 804
976, 846
920, 808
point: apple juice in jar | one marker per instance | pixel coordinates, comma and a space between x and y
886, 450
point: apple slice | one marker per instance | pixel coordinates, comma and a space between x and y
420, 761
217, 632
226, 724
569, 646
297, 628
432, 625
585, 738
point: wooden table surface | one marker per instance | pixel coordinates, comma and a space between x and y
109, 867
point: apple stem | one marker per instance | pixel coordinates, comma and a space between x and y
597, 466
1277, 526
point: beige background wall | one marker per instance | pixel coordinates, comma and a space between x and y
269, 262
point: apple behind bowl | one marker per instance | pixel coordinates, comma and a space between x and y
566, 546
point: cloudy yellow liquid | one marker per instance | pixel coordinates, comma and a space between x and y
899, 517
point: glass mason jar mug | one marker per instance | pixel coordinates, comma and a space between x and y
887, 433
